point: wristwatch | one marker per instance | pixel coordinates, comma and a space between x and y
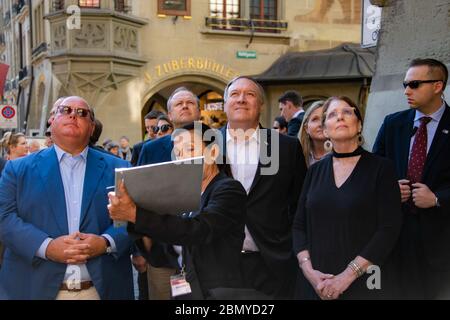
437, 202
108, 246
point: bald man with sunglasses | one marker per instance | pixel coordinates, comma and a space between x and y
60, 243
418, 142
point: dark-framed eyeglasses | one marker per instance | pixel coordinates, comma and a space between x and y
80, 112
414, 84
164, 128
150, 128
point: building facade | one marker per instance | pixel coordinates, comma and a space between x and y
15, 37
409, 29
126, 56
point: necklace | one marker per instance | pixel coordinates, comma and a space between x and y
355, 153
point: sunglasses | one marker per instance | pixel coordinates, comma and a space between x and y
80, 112
414, 84
164, 128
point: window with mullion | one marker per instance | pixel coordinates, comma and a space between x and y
224, 10
264, 10
89, 3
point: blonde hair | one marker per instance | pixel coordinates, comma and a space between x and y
305, 139
10, 140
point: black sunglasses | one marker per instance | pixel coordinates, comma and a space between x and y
80, 112
164, 128
414, 84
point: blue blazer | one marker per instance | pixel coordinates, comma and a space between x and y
33, 208
156, 151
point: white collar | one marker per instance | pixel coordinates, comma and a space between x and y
253, 137
60, 153
298, 113
436, 116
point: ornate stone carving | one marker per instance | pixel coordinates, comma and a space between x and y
125, 38
59, 37
91, 35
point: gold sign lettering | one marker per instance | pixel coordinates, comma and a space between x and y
188, 64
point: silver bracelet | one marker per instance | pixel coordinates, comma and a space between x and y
356, 268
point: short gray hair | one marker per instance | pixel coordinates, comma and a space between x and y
260, 90
180, 89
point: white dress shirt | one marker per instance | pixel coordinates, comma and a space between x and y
243, 155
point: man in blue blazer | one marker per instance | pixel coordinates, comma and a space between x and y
54, 223
418, 142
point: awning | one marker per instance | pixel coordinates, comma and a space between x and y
345, 62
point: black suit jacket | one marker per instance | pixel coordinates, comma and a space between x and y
295, 124
137, 148
272, 203
212, 237
393, 141
2, 165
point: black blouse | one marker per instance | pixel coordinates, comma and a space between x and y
212, 237
361, 218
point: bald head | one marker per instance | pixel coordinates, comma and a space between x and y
54, 109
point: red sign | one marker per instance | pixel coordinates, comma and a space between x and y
8, 112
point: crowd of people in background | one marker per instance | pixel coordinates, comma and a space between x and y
314, 228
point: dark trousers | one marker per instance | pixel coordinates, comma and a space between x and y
256, 275
417, 278
143, 285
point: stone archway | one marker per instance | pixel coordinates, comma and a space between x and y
208, 89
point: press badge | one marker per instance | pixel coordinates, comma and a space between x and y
179, 285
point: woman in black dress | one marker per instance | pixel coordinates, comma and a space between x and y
212, 237
348, 216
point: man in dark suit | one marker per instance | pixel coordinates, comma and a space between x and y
60, 242
271, 167
418, 141
150, 122
183, 108
291, 108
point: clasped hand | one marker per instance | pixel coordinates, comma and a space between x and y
76, 248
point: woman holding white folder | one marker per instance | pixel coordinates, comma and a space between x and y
212, 237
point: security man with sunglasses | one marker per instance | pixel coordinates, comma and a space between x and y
60, 242
418, 141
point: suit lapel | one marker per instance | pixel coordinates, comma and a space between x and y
95, 167
406, 133
440, 138
49, 171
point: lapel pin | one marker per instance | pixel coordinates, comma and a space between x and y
445, 131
